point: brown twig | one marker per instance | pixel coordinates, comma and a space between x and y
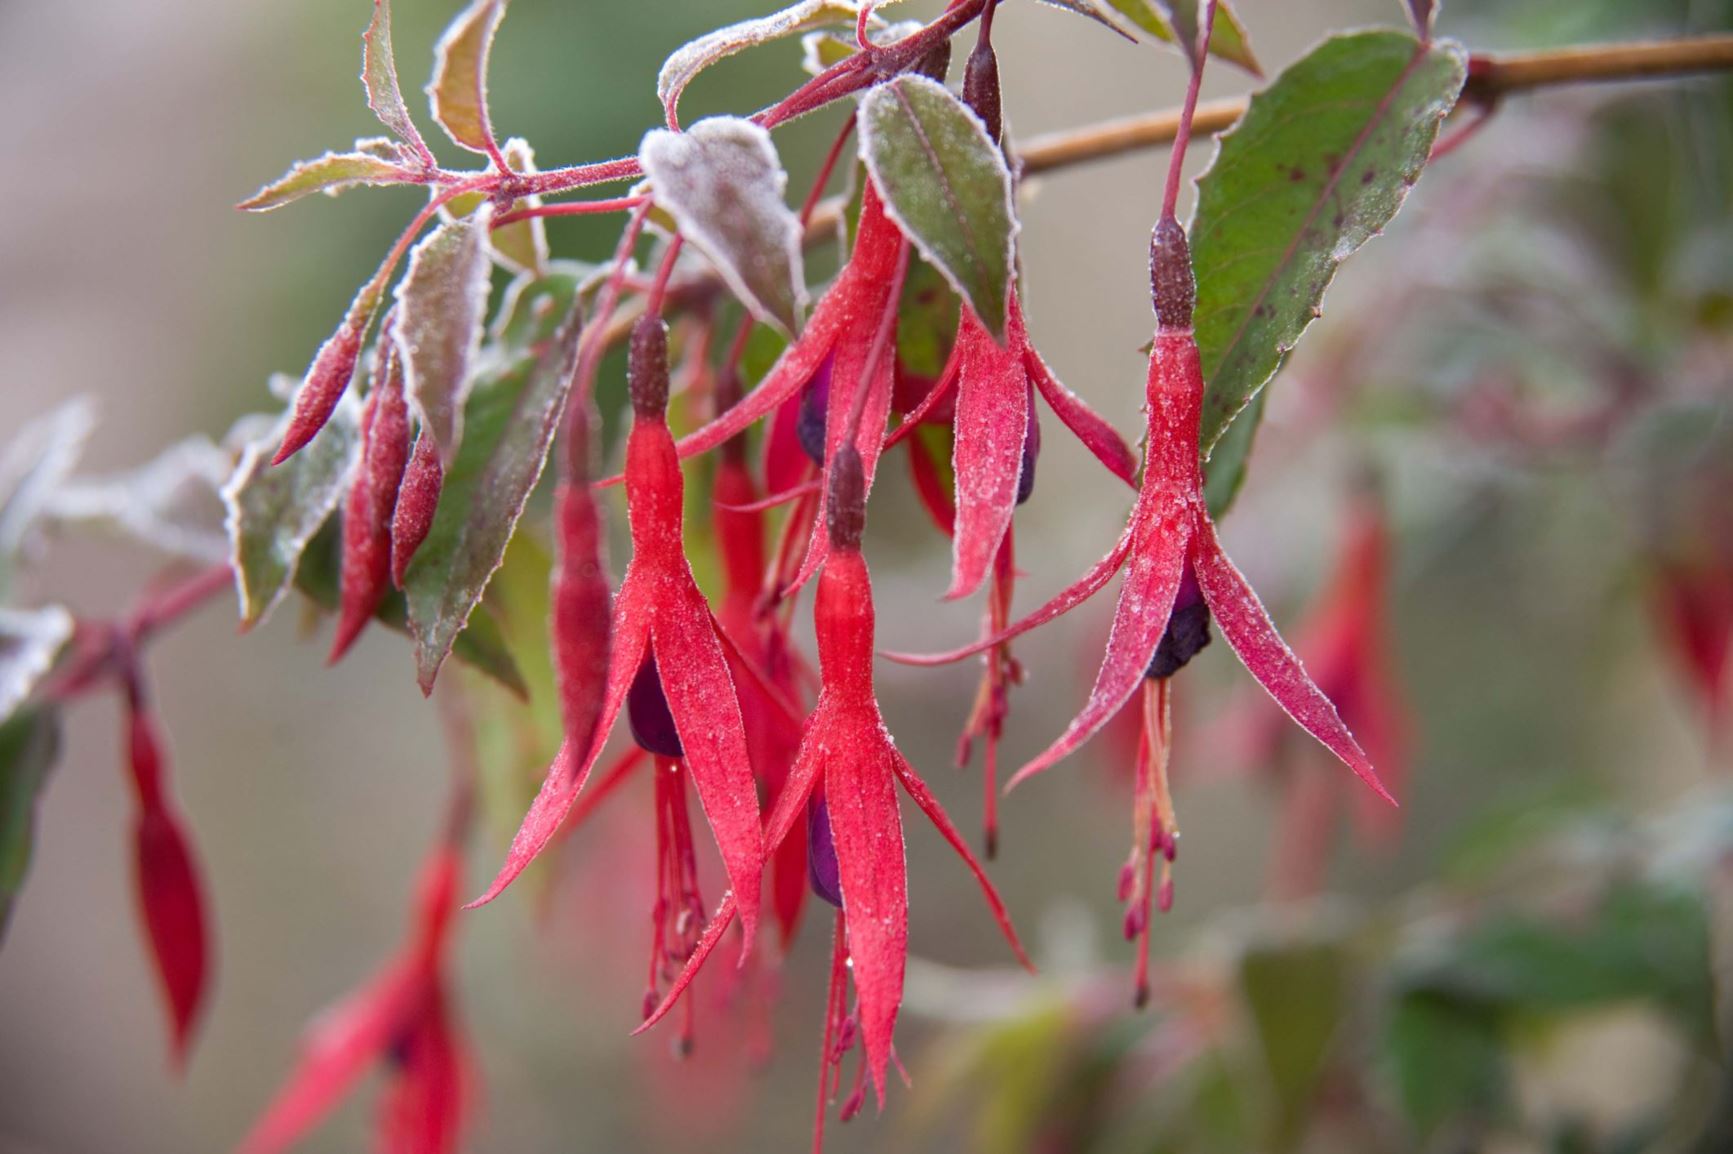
1489, 78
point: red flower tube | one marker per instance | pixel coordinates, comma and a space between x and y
668, 658
844, 785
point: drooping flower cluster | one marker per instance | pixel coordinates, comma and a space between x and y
716, 699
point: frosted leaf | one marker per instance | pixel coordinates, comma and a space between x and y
459, 88
689, 60
329, 174
273, 511
441, 307
946, 185
723, 184
30, 640
33, 465
379, 77
172, 503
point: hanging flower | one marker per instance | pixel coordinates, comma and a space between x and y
170, 892
403, 1020
843, 788
669, 671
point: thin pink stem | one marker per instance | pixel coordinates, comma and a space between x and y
1176, 162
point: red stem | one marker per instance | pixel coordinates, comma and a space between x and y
1176, 161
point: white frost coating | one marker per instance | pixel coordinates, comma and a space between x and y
272, 512
171, 503
822, 50
723, 184
330, 174
441, 308
30, 639
34, 463
691, 59
883, 104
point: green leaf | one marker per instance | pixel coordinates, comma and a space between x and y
30, 641
690, 59
926, 321
1298, 995
329, 174
459, 88
481, 646
946, 185
274, 511
512, 420
29, 745
1229, 41
1281, 208
441, 307
1088, 8
1227, 465
723, 184
379, 77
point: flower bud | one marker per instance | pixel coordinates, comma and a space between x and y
981, 87
1172, 285
647, 367
845, 511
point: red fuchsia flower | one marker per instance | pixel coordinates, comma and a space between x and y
372, 502
403, 1020
670, 673
1171, 541
1177, 578
170, 894
1346, 647
841, 345
843, 786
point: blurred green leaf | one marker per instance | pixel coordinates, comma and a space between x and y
1298, 996
946, 185
29, 745
1447, 1062
1229, 41
1280, 209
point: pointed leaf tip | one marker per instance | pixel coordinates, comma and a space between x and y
379, 78
329, 174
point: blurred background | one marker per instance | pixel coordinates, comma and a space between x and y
1531, 374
